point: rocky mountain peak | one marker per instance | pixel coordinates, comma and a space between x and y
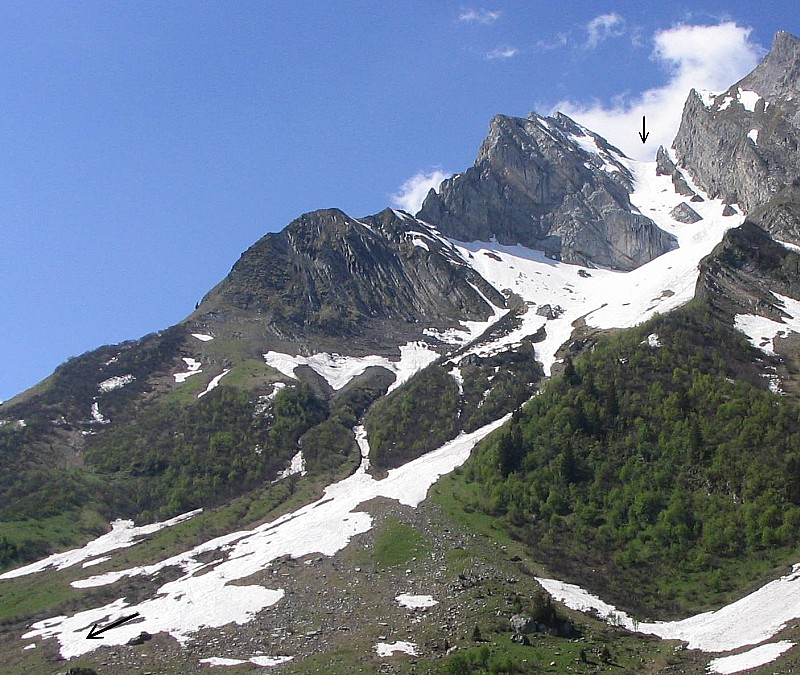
743, 144
549, 184
778, 75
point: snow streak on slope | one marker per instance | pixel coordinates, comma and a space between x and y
753, 658
214, 383
603, 298
123, 534
205, 595
416, 601
749, 621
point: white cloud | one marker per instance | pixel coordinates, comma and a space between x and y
413, 191
699, 57
560, 40
603, 27
483, 16
504, 52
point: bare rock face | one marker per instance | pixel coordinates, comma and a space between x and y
743, 144
780, 216
742, 272
550, 184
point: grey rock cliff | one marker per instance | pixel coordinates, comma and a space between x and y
549, 184
742, 145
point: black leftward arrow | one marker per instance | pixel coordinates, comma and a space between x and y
643, 134
95, 633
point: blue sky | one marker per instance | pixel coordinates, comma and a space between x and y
145, 145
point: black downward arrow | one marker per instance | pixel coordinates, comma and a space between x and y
643, 134
95, 634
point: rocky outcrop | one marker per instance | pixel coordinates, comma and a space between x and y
780, 216
742, 145
549, 184
666, 167
684, 213
740, 274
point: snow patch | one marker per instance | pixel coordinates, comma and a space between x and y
203, 337
97, 416
415, 601
653, 341
773, 382
455, 373
214, 383
789, 246
385, 649
297, 465
758, 656
194, 368
762, 331
753, 136
362, 441
219, 661
588, 143
115, 382
420, 244
338, 370
748, 99
123, 534
264, 661
269, 660
96, 561
265, 401
706, 96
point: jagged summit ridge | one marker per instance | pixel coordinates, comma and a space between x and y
549, 184
742, 144
777, 77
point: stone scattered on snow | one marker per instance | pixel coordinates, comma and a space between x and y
684, 213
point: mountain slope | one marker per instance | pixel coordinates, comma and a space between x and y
318, 393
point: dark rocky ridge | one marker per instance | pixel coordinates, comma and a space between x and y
743, 270
713, 143
533, 184
328, 274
